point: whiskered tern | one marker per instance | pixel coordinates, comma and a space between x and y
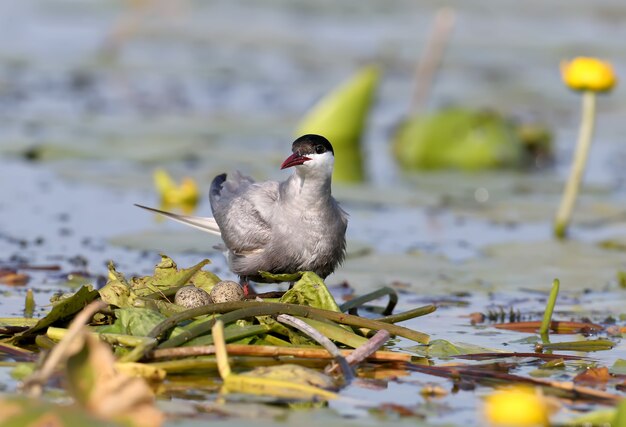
278, 227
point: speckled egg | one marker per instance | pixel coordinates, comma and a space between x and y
226, 291
191, 297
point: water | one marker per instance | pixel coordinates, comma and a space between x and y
102, 93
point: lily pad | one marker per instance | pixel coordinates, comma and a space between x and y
533, 265
527, 265
444, 348
458, 138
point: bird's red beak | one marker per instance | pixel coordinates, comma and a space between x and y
294, 160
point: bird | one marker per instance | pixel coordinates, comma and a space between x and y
278, 227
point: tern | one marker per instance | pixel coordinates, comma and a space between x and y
278, 227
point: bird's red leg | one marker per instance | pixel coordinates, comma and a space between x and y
247, 288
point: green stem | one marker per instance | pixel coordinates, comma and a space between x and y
544, 330
352, 305
406, 315
245, 309
231, 333
208, 363
336, 333
29, 305
264, 308
570, 192
57, 334
586, 345
18, 321
44, 342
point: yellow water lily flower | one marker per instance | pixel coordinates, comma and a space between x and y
516, 406
585, 73
185, 195
588, 75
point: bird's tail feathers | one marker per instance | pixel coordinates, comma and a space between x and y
206, 224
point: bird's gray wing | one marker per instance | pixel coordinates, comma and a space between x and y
242, 209
224, 188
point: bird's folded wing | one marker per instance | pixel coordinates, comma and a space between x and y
245, 216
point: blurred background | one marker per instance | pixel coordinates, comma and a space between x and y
95, 96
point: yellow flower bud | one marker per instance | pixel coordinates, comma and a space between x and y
517, 406
584, 73
188, 191
185, 194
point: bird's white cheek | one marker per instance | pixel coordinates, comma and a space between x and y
324, 162
320, 166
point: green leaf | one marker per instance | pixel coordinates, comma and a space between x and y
601, 417
166, 308
308, 290
284, 277
458, 138
341, 117
618, 368
23, 370
292, 373
117, 291
620, 415
63, 309
168, 278
204, 280
443, 348
312, 291
133, 321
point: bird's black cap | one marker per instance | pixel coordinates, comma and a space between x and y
311, 144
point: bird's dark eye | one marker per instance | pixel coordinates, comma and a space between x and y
319, 149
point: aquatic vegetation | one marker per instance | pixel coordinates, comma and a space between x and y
469, 243
184, 196
341, 117
589, 76
151, 338
285, 347
544, 330
466, 139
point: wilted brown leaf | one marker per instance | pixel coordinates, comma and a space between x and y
13, 279
8, 410
93, 380
597, 377
400, 410
106, 393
